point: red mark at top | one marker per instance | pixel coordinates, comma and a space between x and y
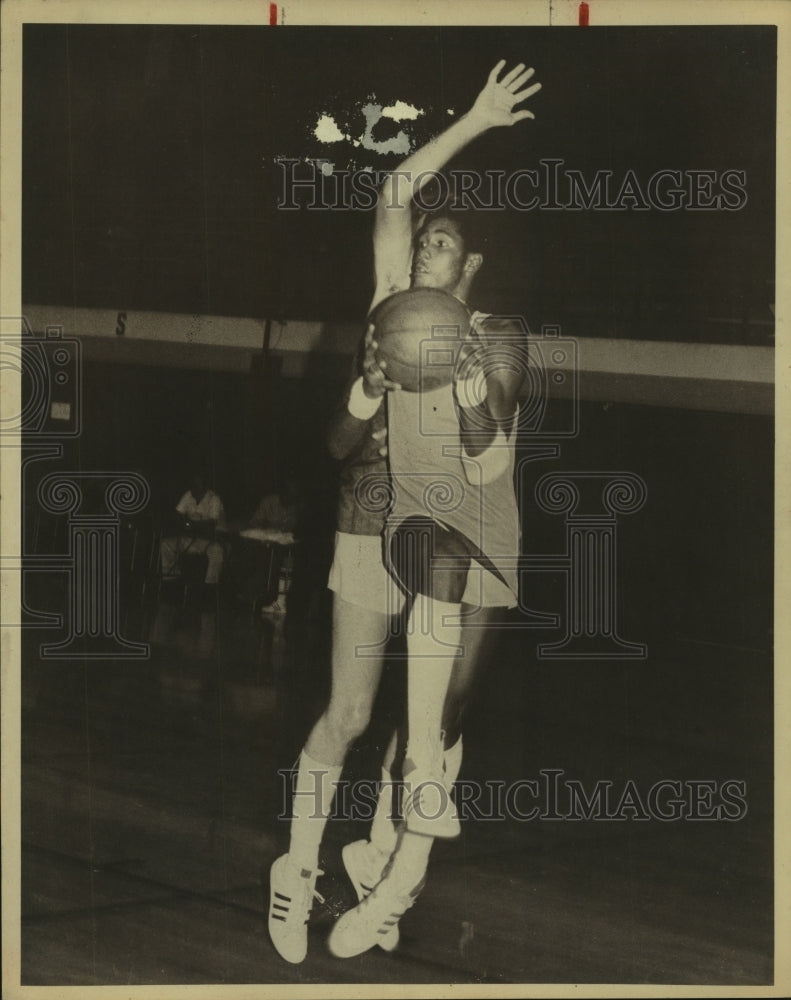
273, 13
584, 15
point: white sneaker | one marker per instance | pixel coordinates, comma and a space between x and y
428, 806
365, 865
291, 894
370, 921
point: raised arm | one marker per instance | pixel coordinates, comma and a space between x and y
394, 230
393, 227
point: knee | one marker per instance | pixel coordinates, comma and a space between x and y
348, 720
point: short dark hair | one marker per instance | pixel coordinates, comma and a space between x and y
469, 224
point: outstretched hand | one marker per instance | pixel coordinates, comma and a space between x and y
495, 103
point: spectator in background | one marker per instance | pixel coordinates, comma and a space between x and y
201, 515
273, 524
277, 511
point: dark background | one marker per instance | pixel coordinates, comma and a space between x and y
151, 182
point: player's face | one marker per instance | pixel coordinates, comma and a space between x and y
439, 256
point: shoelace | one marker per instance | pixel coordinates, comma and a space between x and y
296, 910
311, 893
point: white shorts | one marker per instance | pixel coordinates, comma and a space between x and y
358, 575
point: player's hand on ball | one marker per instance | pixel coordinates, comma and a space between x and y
495, 103
375, 382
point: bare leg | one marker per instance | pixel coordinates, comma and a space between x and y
431, 641
356, 672
477, 646
355, 678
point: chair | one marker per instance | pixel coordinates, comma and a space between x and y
192, 566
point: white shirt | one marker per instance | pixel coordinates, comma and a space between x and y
209, 509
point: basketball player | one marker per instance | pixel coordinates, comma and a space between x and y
363, 589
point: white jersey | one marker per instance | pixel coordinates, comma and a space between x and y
210, 508
428, 479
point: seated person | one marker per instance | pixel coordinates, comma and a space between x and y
275, 516
201, 513
273, 522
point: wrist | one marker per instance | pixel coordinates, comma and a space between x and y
474, 123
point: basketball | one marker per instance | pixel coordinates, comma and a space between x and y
418, 333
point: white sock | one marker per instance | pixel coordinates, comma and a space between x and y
410, 862
431, 646
383, 831
453, 757
312, 802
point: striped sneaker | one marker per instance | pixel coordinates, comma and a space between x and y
365, 865
371, 921
291, 894
428, 807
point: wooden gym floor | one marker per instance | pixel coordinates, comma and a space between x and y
151, 801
